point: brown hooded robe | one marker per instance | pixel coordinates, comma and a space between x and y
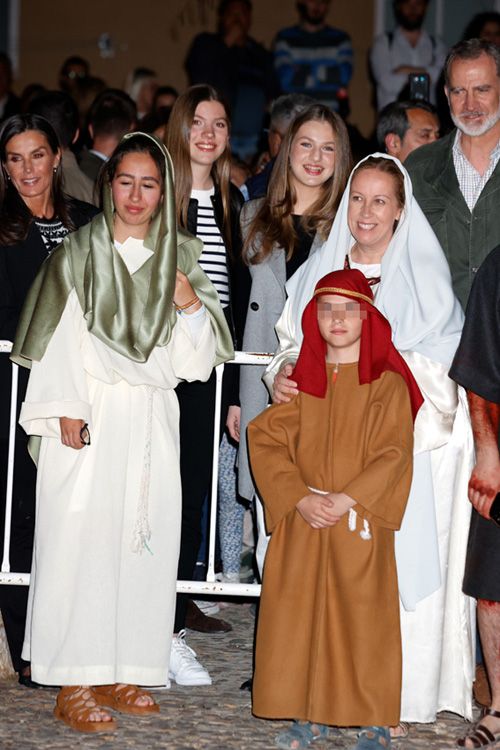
328, 639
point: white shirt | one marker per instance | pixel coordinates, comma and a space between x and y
471, 182
369, 271
386, 56
134, 254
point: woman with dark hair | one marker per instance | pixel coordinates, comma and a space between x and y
281, 231
35, 216
484, 26
208, 206
119, 315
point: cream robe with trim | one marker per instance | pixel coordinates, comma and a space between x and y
100, 612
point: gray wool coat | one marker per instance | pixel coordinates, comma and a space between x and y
266, 303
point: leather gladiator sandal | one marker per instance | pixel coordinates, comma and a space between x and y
481, 736
124, 698
76, 704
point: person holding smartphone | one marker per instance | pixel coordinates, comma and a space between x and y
408, 50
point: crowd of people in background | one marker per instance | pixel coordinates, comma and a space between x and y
146, 234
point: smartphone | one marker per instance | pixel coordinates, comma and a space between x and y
419, 86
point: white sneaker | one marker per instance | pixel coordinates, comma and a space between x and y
184, 668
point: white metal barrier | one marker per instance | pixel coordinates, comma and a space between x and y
211, 585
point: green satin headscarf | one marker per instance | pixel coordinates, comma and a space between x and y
130, 313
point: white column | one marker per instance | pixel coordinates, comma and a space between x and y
13, 33
379, 18
439, 18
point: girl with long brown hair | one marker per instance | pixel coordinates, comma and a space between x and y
281, 231
208, 206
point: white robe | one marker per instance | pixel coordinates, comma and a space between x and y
100, 612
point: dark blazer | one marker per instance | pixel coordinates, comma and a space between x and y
211, 61
466, 236
19, 264
91, 164
239, 282
238, 274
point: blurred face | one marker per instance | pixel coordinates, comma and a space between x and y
313, 11
146, 95
410, 14
165, 100
237, 13
491, 32
373, 209
312, 154
424, 128
76, 70
474, 95
209, 134
137, 192
340, 321
30, 164
275, 139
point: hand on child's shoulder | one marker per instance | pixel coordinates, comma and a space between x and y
284, 389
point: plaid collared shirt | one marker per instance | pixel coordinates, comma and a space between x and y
470, 181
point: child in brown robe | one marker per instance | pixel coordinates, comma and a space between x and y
333, 468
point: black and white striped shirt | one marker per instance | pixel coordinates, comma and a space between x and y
213, 258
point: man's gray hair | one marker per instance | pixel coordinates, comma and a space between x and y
471, 49
285, 108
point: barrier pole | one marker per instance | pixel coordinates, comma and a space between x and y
6, 348
212, 528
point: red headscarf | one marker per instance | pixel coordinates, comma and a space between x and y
377, 352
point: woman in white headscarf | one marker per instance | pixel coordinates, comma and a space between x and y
412, 286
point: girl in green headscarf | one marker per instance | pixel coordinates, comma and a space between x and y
118, 316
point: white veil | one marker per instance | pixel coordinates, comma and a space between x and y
416, 296
415, 292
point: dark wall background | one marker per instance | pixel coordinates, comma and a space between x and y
157, 33
118, 35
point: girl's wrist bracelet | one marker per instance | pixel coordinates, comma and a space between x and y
188, 304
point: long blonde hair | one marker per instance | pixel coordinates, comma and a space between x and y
273, 223
177, 142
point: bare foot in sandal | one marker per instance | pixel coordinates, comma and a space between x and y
485, 733
400, 731
129, 699
78, 708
